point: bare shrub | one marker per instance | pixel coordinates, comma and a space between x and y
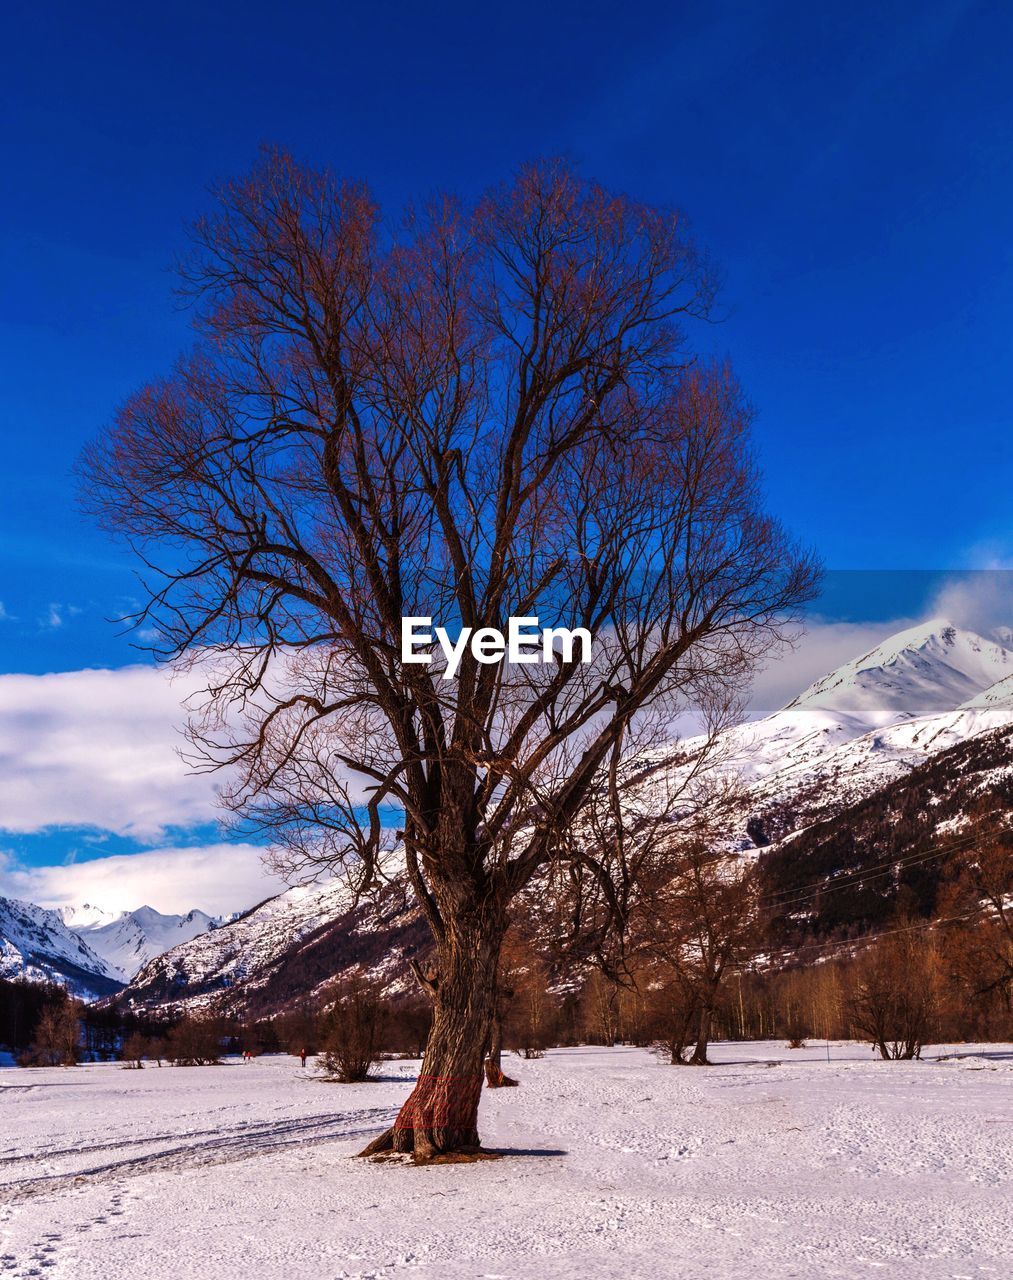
353, 1031
135, 1048
194, 1042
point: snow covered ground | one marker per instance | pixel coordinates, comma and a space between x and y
771, 1164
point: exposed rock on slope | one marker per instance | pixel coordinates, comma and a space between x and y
36, 944
127, 940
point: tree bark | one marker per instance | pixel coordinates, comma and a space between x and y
440, 1116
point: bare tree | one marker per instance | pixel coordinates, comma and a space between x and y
894, 993
58, 1035
531, 1009
518, 958
353, 1030
701, 925
985, 885
495, 1076
135, 1049
480, 413
653, 897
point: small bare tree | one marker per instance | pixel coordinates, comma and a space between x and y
352, 1030
895, 992
702, 926
653, 898
58, 1035
481, 413
985, 885
135, 1048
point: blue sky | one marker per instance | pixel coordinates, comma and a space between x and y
849, 166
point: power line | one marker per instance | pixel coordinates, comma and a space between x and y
869, 939
852, 879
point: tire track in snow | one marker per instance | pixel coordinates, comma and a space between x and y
221, 1147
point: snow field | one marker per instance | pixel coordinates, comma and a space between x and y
619, 1166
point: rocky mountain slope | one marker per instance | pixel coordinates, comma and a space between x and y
36, 944
894, 849
127, 940
281, 951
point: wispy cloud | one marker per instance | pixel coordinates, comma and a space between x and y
57, 615
217, 878
978, 601
98, 749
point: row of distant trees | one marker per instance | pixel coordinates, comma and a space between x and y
914, 984
683, 956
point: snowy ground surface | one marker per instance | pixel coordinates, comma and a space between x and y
771, 1164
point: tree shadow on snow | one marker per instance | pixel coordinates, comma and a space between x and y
504, 1152
994, 1055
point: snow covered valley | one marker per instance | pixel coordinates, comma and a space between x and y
772, 1163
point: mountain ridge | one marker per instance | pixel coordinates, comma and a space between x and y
36, 944
127, 940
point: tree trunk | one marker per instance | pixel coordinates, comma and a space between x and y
703, 1035
494, 1077
440, 1117
679, 1034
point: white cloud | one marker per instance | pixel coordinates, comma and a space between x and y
217, 878
978, 601
98, 748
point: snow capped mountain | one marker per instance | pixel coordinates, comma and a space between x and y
865, 724
87, 916
35, 943
89, 951
128, 940
283, 949
925, 669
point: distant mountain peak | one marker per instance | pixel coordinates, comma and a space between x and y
129, 939
922, 670
35, 943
